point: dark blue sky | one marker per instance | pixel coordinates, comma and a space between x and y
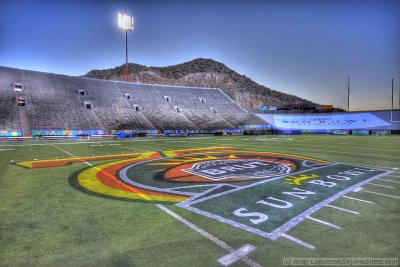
306, 48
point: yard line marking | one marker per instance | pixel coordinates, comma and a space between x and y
366, 165
200, 195
342, 209
66, 152
78, 142
203, 185
361, 200
207, 235
395, 176
380, 194
298, 241
397, 182
324, 222
358, 189
327, 151
236, 255
357, 147
381, 185
131, 148
214, 239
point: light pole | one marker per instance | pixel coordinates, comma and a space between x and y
348, 94
126, 23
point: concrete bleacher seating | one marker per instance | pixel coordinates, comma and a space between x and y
9, 118
56, 101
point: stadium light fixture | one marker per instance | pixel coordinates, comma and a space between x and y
127, 24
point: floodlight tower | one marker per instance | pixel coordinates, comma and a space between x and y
126, 23
348, 94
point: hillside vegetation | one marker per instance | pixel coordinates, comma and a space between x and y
203, 73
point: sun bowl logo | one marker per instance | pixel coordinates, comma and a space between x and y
177, 175
238, 169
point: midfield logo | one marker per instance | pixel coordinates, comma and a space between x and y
239, 169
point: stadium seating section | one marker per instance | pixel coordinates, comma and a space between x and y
56, 101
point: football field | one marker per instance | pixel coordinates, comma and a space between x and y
199, 201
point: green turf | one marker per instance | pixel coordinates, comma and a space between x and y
44, 221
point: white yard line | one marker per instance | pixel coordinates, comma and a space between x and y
342, 209
381, 185
367, 165
324, 223
395, 176
380, 194
131, 148
298, 241
335, 151
396, 182
361, 200
203, 185
66, 152
78, 142
207, 235
312, 142
270, 145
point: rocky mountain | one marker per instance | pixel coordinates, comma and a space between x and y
204, 73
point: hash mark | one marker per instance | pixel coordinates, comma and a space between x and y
361, 200
380, 194
397, 182
298, 241
343, 209
381, 185
324, 222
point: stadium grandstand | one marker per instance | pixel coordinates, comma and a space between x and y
35, 101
